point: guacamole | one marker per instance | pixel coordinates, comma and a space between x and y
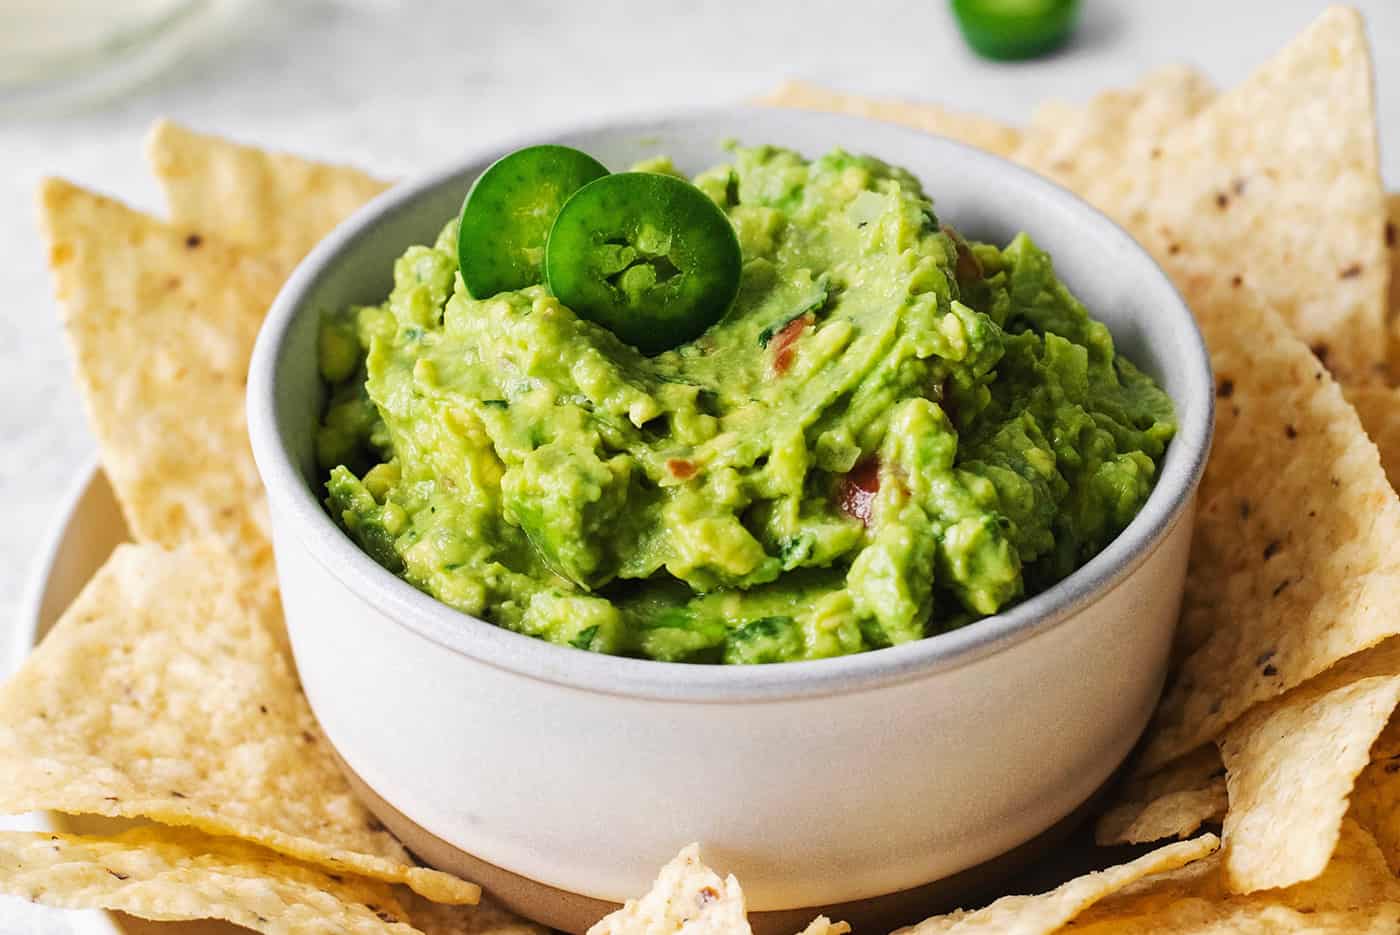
892, 432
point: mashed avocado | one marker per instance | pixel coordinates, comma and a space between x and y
892, 433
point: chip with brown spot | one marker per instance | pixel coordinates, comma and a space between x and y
1301, 125
207, 660
161, 337
1085, 147
278, 204
1331, 593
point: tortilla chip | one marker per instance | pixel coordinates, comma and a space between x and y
176, 874
1083, 148
1298, 532
965, 128
1032, 915
161, 326
280, 205
1171, 803
161, 694
688, 898
486, 918
1296, 557
1278, 183
1355, 894
1379, 409
1291, 766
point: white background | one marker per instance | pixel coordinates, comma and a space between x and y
397, 87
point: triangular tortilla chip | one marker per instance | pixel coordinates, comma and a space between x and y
1040, 915
688, 898
277, 204
161, 325
966, 128
1171, 803
1356, 895
1278, 183
161, 694
1296, 557
1296, 562
1083, 148
1291, 766
172, 875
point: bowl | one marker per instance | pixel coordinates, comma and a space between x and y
562, 779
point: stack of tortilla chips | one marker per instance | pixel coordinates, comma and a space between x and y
166, 696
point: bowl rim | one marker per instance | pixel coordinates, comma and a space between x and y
424, 615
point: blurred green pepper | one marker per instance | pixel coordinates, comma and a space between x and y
1008, 30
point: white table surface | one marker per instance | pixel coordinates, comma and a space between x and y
400, 86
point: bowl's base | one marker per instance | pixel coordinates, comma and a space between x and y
571, 912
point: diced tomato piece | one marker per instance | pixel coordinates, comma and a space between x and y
968, 268
856, 495
782, 343
680, 468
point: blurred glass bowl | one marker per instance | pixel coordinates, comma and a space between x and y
57, 54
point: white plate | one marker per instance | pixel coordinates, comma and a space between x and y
89, 527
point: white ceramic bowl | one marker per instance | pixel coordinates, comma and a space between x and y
815, 782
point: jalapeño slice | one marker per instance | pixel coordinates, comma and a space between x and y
1009, 30
648, 256
507, 213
